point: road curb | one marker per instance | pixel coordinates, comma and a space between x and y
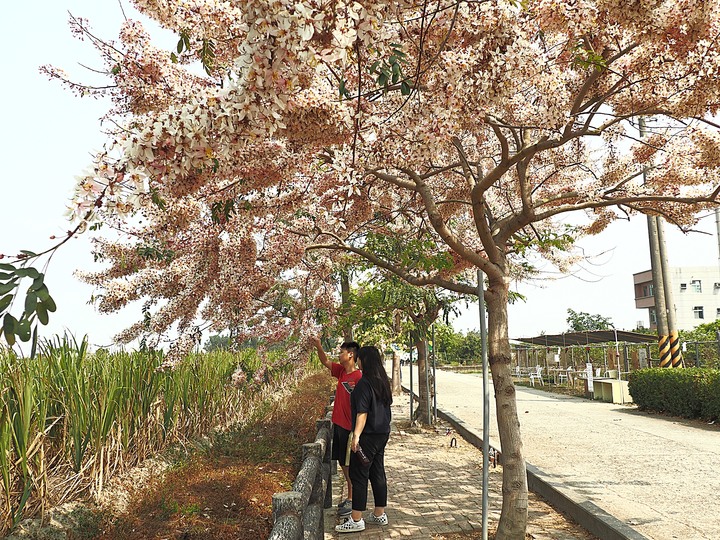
585, 513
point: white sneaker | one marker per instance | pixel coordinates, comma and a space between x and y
351, 526
378, 520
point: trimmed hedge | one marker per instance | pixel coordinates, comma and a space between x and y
690, 393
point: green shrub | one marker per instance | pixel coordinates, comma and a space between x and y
711, 395
690, 393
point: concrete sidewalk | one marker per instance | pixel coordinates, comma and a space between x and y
435, 490
658, 475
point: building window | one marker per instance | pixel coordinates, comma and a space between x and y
647, 290
699, 312
683, 287
696, 285
717, 313
653, 316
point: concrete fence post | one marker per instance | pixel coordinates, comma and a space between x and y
324, 429
287, 516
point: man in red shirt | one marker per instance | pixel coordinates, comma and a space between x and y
347, 374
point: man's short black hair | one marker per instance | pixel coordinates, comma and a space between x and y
351, 346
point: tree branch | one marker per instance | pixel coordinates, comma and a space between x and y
399, 272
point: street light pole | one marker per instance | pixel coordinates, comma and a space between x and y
486, 404
617, 352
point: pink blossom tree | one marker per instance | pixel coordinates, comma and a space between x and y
471, 126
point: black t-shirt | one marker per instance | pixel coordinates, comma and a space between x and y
364, 400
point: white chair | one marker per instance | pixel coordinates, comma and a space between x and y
536, 375
564, 376
597, 372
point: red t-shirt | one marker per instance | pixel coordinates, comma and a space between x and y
346, 382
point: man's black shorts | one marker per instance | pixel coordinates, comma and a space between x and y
339, 443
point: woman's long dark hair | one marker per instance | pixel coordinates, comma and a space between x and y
374, 372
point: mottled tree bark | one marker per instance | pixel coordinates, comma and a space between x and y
396, 387
421, 413
514, 514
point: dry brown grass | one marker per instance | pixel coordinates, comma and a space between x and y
226, 491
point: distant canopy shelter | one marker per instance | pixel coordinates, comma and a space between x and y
612, 349
589, 337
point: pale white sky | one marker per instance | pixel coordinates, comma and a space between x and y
609, 292
48, 135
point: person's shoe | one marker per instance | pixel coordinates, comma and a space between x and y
345, 508
351, 526
378, 520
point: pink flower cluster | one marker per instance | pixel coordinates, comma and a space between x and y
463, 131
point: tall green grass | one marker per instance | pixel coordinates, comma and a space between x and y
70, 420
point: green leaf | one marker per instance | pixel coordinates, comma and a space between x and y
42, 313
31, 301
49, 304
23, 330
5, 301
10, 338
5, 277
28, 253
9, 323
405, 88
382, 79
395, 73
7, 267
37, 283
157, 199
342, 88
33, 349
27, 272
180, 45
42, 293
7, 287
173, 58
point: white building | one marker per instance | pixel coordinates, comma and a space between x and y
696, 292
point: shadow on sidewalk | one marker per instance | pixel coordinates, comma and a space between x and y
435, 490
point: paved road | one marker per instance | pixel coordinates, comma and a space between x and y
659, 475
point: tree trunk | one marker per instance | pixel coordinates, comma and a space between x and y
345, 300
396, 387
421, 413
514, 514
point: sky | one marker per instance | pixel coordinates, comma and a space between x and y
48, 135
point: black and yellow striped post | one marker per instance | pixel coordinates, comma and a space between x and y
675, 352
664, 350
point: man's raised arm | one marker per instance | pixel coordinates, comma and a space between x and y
321, 353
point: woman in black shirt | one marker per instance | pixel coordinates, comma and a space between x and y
370, 405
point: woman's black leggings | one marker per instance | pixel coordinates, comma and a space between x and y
373, 444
